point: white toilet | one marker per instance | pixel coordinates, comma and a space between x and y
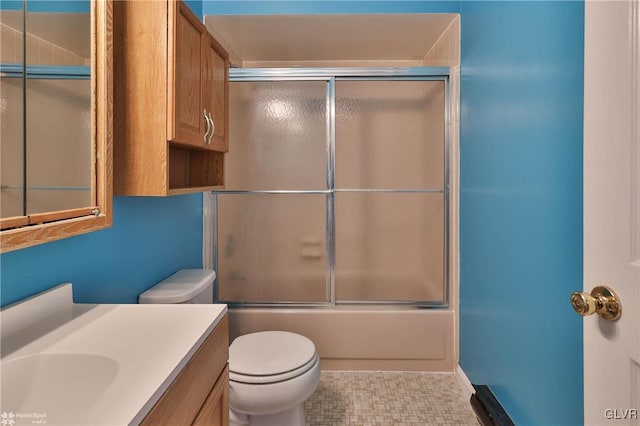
271, 373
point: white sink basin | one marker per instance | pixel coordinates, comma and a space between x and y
65, 363
55, 384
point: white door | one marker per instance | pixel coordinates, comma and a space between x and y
612, 209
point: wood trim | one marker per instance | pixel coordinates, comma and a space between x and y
192, 190
180, 404
172, 16
39, 218
13, 222
20, 238
104, 110
102, 107
170, 87
215, 411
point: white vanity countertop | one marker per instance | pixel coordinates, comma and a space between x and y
140, 349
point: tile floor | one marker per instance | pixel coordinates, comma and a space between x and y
388, 398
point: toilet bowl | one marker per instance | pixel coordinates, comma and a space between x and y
271, 375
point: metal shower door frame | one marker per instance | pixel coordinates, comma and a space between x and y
330, 76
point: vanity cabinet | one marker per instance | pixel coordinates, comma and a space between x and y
170, 101
200, 393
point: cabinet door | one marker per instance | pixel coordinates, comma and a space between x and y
183, 400
216, 92
187, 124
215, 410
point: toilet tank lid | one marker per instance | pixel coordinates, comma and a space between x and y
179, 287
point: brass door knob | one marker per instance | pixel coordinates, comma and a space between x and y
602, 300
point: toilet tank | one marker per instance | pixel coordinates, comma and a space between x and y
185, 286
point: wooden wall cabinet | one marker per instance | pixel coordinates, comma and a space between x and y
200, 393
171, 100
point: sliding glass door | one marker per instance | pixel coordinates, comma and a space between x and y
336, 190
272, 216
389, 185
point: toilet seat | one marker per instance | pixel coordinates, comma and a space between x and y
276, 378
270, 357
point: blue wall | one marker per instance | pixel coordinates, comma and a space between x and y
150, 239
521, 205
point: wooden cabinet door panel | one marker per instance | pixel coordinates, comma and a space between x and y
215, 410
182, 401
187, 123
216, 92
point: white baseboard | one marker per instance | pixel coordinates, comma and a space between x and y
464, 381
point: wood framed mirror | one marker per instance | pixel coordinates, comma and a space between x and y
44, 222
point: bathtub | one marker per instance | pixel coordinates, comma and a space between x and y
362, 338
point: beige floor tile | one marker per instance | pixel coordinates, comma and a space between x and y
388, 398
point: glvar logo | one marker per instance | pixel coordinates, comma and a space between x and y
7, 419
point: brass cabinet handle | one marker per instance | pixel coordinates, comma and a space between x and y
206, 133
602, 300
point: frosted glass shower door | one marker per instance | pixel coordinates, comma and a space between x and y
279, 135
390, 191
272, 217
335, 189
271, 248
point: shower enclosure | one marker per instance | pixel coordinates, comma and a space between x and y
336, 189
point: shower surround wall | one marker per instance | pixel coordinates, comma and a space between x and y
384, 208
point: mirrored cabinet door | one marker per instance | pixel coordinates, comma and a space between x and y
12, 199
55, 105
58, 106
46, 82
